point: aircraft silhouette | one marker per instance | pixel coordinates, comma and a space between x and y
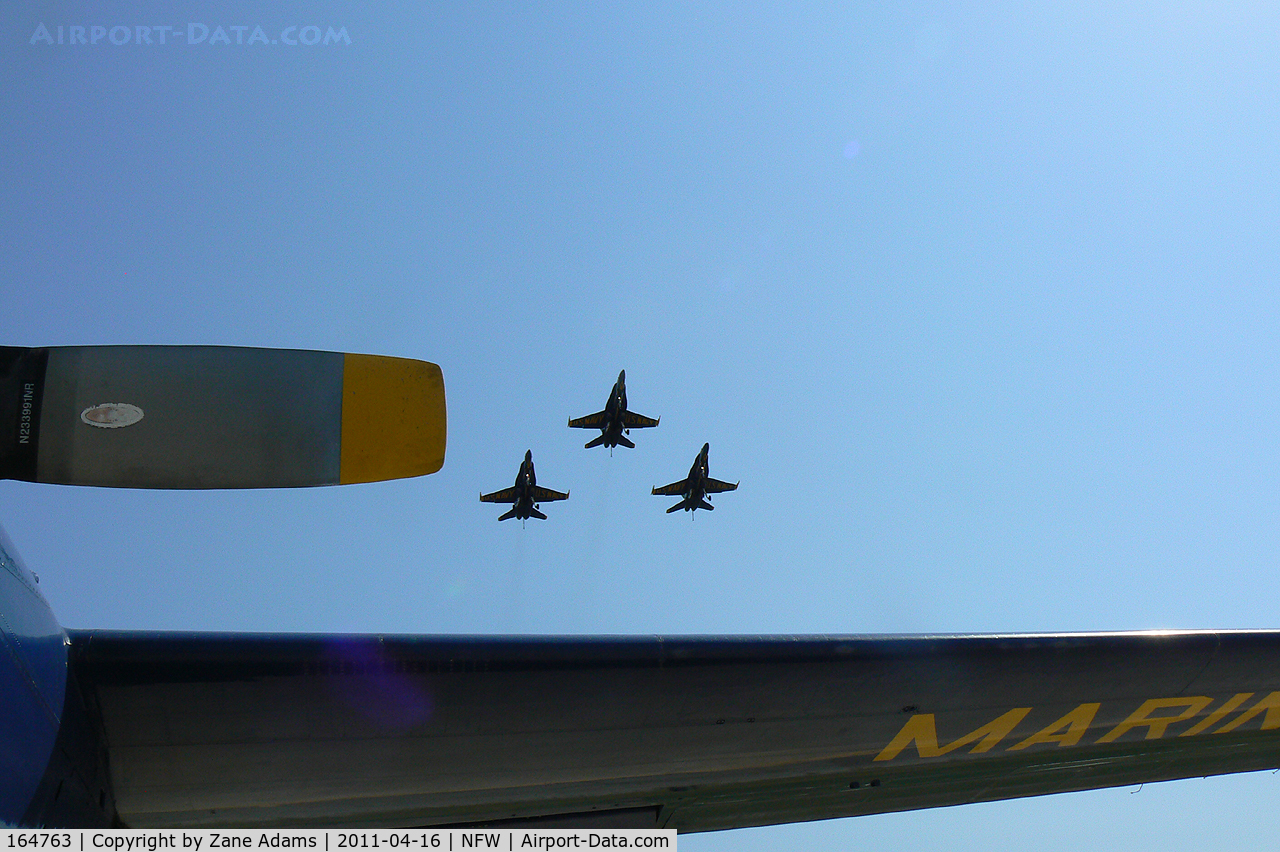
695, 487
526, 494
615, 420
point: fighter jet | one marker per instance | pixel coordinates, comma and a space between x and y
525, 494
614, 420
695, 487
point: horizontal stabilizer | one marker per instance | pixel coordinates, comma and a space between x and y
216, 417
594, 442
508, 515
626, 442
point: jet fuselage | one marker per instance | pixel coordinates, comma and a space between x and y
526, 479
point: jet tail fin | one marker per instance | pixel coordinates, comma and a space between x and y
703, 504
626, 442
534, 513
508, 515
594, 442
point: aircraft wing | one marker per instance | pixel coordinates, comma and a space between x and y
591, 421
715, 486
631, 420
696, 734
675, 489
506, 495
546, 495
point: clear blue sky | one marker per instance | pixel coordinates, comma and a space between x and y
978, 302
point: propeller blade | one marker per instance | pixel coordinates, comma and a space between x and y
216, 417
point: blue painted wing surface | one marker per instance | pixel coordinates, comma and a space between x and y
506, 495
697, 734
546, 495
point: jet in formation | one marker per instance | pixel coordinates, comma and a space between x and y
615, 421
695, 487
526, 494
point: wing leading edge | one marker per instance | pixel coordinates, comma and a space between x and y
689, 733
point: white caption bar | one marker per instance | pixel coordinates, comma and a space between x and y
334, 840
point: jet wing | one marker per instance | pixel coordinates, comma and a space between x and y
715, 486
696, 734
591, 421
631, 420
506, 495
675, 489
546, 495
